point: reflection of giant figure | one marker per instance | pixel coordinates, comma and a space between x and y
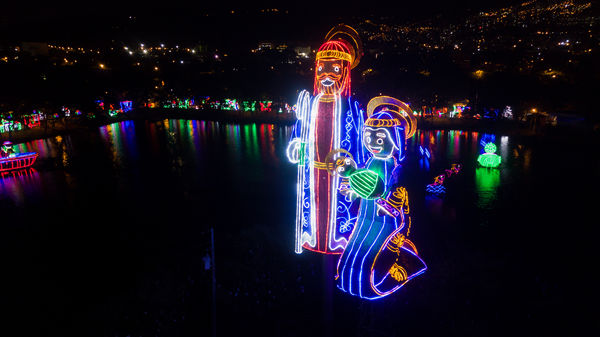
329, 120
379, 258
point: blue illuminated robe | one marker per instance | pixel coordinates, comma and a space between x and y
347, 123
365, 269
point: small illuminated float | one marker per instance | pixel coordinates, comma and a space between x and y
329, 120
379, 258
9, 160
437, 187
489, 158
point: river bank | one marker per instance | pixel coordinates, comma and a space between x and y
562, 133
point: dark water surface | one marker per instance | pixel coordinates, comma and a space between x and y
106, 237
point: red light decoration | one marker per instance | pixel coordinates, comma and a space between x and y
332, 69
19, 161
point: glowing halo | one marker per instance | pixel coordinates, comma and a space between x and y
350, 35
330, 158
403, 111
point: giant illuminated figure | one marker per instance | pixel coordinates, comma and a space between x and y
326, 121
379, 258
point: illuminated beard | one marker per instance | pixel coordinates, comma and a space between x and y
331, 83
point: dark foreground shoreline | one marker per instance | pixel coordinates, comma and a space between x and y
578, 134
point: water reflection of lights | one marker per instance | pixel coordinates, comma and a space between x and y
474, 141
16, 184
486, 186
248, 141
120, 138
504, 148
454, 144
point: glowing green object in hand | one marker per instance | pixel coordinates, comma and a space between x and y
367, 184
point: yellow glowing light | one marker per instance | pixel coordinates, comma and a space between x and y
478, 73
334, 54
102, 66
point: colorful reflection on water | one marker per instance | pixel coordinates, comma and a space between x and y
193, 144
454, 146
487, 181
249, 141
15, 184
131, 147
121, 142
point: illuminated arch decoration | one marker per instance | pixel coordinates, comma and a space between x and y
404, 112
489, 158
379, 257
350, 35
327, 120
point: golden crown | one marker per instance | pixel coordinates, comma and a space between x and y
382, 123
334, 54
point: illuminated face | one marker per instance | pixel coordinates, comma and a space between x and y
345, 167
331, 76
379, 142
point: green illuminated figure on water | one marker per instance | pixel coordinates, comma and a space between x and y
489, 158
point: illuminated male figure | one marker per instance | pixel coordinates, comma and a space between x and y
327, 121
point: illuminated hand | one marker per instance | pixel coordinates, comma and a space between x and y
293, 151
346, 191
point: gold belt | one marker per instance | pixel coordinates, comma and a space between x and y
322, 166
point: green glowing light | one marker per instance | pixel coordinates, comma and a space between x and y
490, 148
366, 184
489, 159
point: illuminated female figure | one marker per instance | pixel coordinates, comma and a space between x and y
329, 120
379, 258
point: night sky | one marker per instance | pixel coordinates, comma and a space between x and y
85, 22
